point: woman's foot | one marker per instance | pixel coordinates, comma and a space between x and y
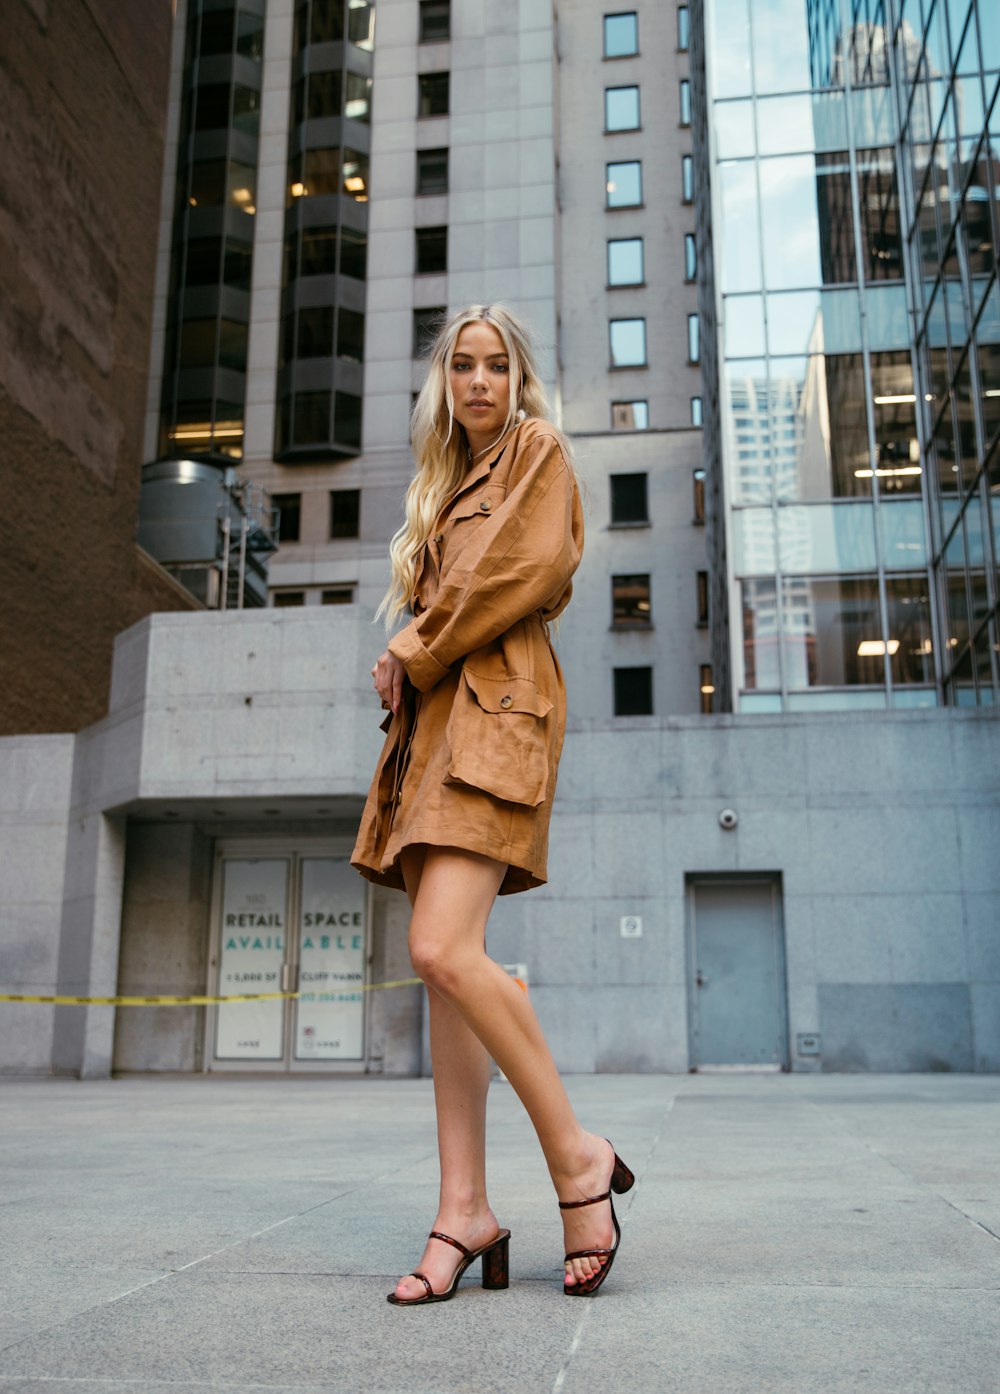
440, 1262
588, 1227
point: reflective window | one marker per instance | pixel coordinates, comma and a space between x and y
630, 416
433, 94
426, 323
345, 512
683, 28
706, 688
703, 602
629, 499
730, 27
760, 633
289, 508
353, 253
633, 688
350, 335
698, 492
694, 339
621, 108
624, 184
435, 21
878, 207
432, 171
690, 256
819, 421
628, 343
826, 537
621, 35
733, 129
685, 102
347, 420
431, 250
625, 262
687, 179
696, 412
631, 607
781, 46
832, 631
739, 240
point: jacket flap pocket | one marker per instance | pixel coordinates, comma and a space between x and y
505, 694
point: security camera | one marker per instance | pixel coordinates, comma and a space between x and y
728, 819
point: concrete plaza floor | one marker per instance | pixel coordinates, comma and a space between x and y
787, 1233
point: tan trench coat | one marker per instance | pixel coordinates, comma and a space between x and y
470, 757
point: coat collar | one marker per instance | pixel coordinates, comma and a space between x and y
480, 471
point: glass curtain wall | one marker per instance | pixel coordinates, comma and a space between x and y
844, 542
320, 382
204, 371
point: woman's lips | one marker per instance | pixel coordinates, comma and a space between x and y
480, 406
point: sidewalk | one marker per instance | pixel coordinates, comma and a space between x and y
786, 1234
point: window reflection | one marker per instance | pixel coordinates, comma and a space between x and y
740, 238
749, 427
832, 537
897, 450
730, 30
832, 632
823, 427
878, 207
624, 184
781, 46
789, 222
760, 633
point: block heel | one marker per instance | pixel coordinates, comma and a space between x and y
495, 1264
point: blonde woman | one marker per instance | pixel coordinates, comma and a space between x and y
460, 803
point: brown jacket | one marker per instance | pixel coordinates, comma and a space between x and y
470, 758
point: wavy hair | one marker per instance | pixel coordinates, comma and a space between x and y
440, 446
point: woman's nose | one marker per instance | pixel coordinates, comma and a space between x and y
478, 375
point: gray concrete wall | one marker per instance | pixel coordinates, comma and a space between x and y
35, 778
883, 830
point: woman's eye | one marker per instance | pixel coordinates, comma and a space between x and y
501, 367
459, 367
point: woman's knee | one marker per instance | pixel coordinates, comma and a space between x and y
435, 961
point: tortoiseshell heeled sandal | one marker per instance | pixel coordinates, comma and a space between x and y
622, 1180
495, 1269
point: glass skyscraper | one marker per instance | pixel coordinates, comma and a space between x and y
849, 235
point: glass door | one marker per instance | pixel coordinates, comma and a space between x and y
292, 922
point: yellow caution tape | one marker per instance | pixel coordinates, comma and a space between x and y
203, 1000
193, 1000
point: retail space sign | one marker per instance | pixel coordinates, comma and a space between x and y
332, 938
251, 955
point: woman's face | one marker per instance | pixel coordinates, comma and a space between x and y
479, 373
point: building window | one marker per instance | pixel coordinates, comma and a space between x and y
624, 184
626, 262
630, 416
707, 687
621, 108
696, 412
433, 94
338, 595
687, 178
282, 599
685, 102
345, 512
702, 599
698, 481
633, 691
435, 21
629, 500
621, 35
694, 340
432, 171
683, 28
631, 607
289, 508
690, 256
432, 250
426, 324
628, 343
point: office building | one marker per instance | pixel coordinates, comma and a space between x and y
745, 869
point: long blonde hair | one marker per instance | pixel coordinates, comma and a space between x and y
440, 446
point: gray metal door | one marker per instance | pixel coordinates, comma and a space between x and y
738, 1014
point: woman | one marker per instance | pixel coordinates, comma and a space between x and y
460, 803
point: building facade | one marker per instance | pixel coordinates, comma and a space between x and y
739, 875
848, 201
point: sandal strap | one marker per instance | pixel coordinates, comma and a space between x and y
574, 1204
430, 1290
588, 1253
447, 1239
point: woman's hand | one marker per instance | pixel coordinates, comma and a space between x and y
389, 674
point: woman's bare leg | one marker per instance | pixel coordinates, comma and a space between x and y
454, 896
462, 1070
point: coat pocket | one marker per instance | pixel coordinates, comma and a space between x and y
498, 738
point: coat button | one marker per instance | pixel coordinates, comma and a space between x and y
485, 505
440, 538
506, 702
